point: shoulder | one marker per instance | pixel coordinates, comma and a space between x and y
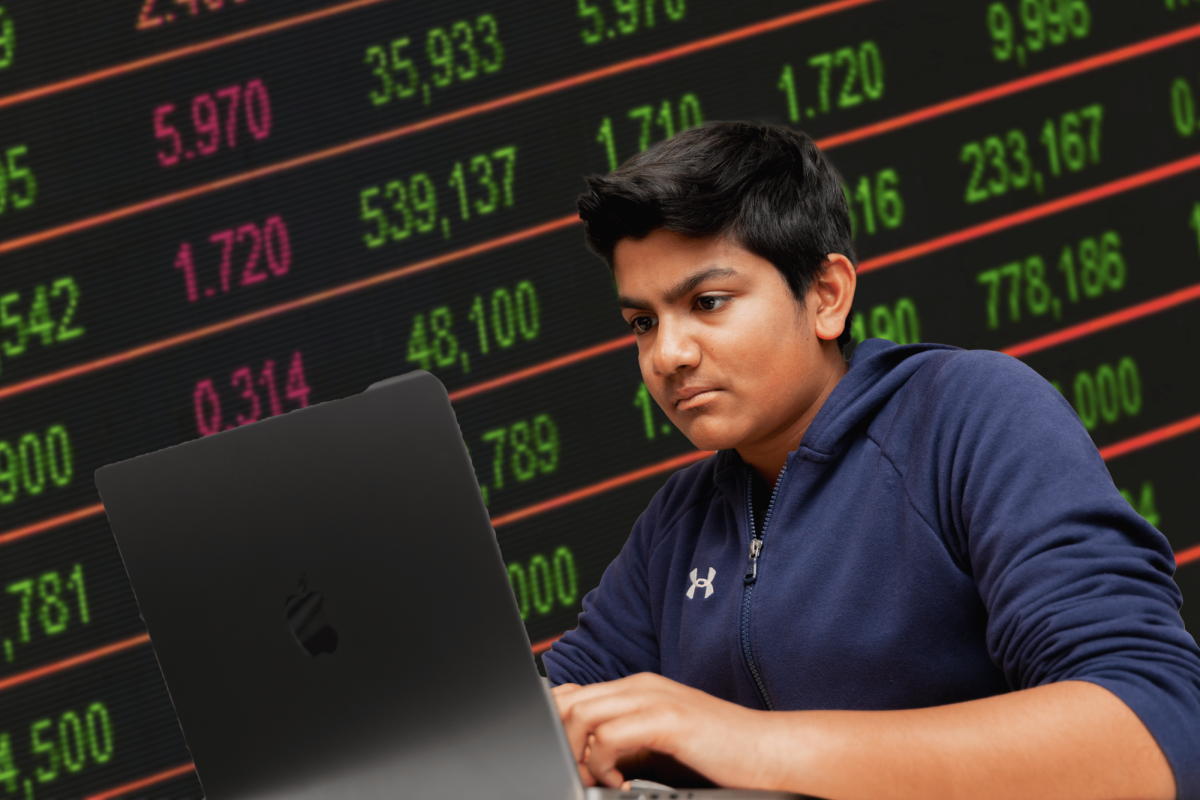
691, 488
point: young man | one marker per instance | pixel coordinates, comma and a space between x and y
917, 561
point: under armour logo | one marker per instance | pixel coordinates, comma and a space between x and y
703, 583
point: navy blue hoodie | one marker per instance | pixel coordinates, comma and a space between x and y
945, 531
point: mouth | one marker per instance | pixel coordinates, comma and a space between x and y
695, 398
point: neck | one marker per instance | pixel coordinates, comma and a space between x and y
767, 456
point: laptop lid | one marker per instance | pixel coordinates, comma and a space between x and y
330, 610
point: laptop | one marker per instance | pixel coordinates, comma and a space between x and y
331, 613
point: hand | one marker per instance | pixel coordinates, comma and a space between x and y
618, 720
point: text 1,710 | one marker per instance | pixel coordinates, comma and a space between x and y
211, 128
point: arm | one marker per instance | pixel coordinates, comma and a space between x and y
1065, 740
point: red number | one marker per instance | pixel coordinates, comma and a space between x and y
297, 387
207, 121
258, 109
279, 247
267, 381
184, 262
234, 95
165, 130
249, 276
208, 408
147, 19
214, 5
244, 376
226, 255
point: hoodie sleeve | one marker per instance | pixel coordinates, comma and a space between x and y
1076, 584
616, 635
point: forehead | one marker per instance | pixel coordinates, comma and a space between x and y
661, 259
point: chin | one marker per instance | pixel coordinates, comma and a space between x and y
709, 433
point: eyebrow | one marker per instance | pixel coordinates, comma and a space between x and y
684, 287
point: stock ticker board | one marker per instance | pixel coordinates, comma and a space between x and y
214, 211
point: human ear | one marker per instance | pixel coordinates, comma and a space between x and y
832, 294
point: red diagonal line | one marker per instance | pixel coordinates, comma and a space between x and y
74, 661
539, 369
1126, 53
544, 644
1184, 556
1101, 192
431, 122
1150, 438
599, 488
53, 522
282, 308
1154, 306
143, 783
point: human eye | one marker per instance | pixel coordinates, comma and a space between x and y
712, 302
641, 324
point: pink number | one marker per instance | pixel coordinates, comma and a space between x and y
250, 276
207, 120
234, 95
147, 19
165, 130
184, 262
267, 381
208, 408
297, 388
244, 376
258, 109
214, 5
226, 255
279, 247
193, 9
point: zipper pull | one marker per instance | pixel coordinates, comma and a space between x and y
752, 566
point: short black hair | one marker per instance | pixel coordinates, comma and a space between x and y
767, 186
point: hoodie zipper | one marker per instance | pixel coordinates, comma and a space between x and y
751, 577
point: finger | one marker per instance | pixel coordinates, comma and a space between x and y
628, 734
581, 717
564, 688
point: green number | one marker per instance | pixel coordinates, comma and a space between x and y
1013, 273
1050, 140
1056, 22
590, 12
40, 322
423, 199
458, 181
33, 469
418, 344
972, 151
1193, 223
395, 193
100, 745
520, 587
503, 323
908, 325
1018, 149
467, 46
675, 9
483, 166
1066, 265
1114, 262
690, 115
605, 137
524, 460
8, 46
1095, 115
401, 64
486, 25
477, 316
440, 51
646, 115
643, 401
848, 98
823, 62
1130, 386
49, 771
542, 601
75, 583
629, 10
25, 589
1074, 153
863, 195
497, 435
54, 613
11, 321
1034, 22
993, 146
871, 66
1037, 291
69, 725
509, 154
65, 331
1145, 506
529, 316
566, 583
665, 120
1080, 18
545, 439
16, 173
445, 346
991, 278
8, 767
1183, 107
376, 55
1091, 272
370, 214
888, 202
1001, 27
787, 85
1106, 394
883, 323
9, 473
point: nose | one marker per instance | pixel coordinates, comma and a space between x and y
674, 348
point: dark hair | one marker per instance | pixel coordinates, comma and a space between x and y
765, 185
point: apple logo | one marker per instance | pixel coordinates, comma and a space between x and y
306, 620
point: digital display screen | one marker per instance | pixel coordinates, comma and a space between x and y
215, 211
